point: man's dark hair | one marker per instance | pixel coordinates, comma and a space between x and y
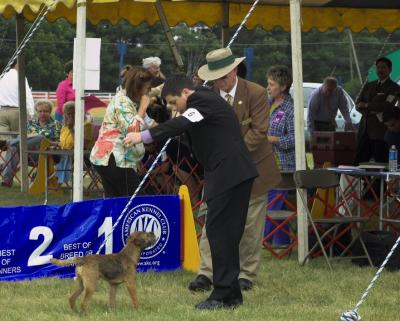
391, 114
68, 66
385, 60
174, 85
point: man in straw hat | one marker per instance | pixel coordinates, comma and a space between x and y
249, 102
229, 172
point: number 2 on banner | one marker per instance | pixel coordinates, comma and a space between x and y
106, 229
36, 258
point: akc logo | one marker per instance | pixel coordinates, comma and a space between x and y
147, 218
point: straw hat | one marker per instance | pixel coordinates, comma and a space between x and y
219, 63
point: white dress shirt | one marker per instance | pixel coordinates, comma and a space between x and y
231, 93
9, 95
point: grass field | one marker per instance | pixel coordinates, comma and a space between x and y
284, 291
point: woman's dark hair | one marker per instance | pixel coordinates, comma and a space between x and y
123, 73
385, 60
135, 78
175, 84
68, 66
282, 75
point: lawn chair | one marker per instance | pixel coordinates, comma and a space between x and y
326, 229
281, 220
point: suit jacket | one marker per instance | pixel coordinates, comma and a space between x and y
252, 109
378, 98
214, 133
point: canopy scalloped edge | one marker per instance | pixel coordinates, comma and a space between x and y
267, 16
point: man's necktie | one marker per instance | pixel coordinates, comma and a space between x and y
229, 99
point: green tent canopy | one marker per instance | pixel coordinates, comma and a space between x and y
395, 75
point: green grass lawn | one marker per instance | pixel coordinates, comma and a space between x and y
284, 291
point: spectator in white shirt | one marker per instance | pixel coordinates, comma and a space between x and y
9, 100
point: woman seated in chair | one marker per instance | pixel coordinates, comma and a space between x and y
64, 167
42, 126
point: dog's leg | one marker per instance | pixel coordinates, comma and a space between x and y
89, 284
131, 285
112, 297
78, 291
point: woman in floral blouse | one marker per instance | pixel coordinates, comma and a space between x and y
281, 120
125, 113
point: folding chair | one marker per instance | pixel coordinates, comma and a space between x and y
281, 220
323, 178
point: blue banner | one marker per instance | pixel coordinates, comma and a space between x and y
31, 235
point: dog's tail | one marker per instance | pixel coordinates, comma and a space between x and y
71, 261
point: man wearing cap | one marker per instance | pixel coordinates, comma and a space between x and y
249, 102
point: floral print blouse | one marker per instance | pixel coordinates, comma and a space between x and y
120, 119
51, 130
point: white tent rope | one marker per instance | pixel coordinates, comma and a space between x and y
353, 315
167, 142
29, 35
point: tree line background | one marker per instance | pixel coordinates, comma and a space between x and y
324, 53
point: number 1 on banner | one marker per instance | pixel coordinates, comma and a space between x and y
106, 229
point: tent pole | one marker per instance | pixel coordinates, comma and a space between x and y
225, 25
295, 32
22, 107
353, 48
79, 82
168, 34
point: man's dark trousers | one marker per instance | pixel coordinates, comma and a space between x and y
225, 224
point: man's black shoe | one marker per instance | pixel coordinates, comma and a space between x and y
245, 285
210, 304
200, 284
233, 304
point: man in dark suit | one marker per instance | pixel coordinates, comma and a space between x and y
375, 97
229, 172
250, 104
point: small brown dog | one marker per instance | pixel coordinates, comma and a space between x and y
114, 268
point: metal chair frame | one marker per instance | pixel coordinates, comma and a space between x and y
323, 178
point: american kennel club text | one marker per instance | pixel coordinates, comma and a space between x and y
147, 218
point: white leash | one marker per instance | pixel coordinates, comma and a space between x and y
167, 142
353, 315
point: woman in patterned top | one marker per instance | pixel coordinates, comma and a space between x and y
281, 120
43, 126
125, 113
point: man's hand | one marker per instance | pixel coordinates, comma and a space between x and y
132, 139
